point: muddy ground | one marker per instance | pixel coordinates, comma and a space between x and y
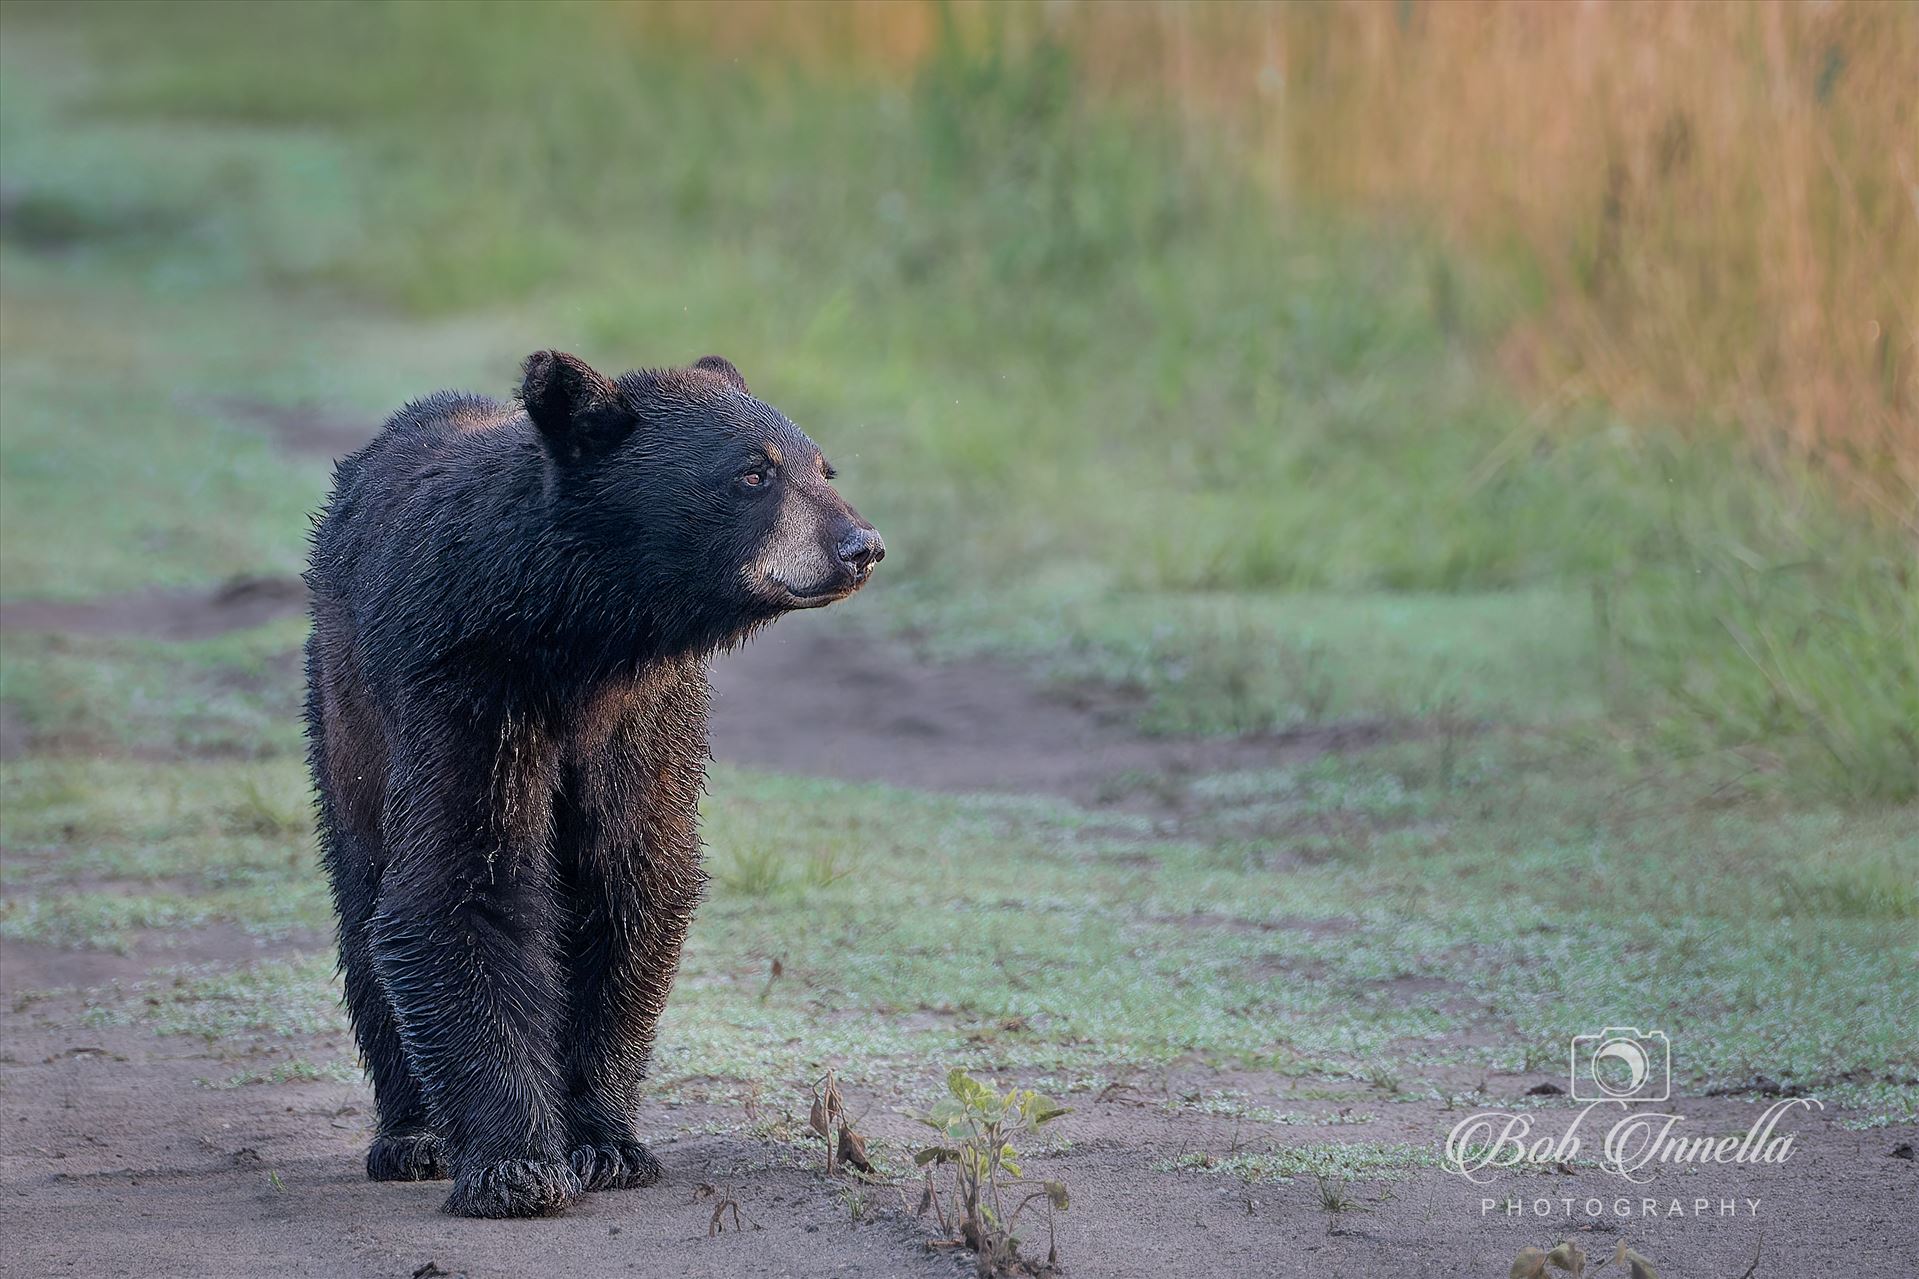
119, 1155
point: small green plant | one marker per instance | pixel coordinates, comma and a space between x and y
752, 871
762, 869
269, 811
299, 1070
1333, 1198
825, 867
1382, 1076
1334, 1202
977, 1125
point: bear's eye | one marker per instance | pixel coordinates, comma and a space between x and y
756, 478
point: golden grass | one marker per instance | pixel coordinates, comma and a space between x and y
1722, 200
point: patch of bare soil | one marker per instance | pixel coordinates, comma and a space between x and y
50, 223
14, 733
817, 696
1842, 1195
304, 430
161, 613
34, 967
117, 1158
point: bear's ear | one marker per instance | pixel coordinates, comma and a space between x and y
575, 407
722, 368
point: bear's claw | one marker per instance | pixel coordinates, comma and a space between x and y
515, 1188
616, 1165
406, 1156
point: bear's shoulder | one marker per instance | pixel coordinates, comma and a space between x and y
460, 412
447, 437
434, 430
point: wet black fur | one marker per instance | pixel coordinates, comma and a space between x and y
513, 608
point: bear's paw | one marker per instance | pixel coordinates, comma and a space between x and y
616, 1165
514, 1188
406, 1156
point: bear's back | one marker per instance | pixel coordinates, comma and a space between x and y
436, 425
450, 439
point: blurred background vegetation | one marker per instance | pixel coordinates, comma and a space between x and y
1554, 366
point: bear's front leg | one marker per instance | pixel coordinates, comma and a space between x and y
626, 968
629, 842
624, 964
464, 942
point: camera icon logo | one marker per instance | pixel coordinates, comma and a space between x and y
1622, 1063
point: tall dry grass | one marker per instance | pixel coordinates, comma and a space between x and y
1719, 202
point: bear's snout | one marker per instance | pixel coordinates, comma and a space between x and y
860, 550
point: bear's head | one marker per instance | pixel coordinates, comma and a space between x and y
682, 485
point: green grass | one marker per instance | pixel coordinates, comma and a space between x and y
1327, 1160
1543, 910
1212, 662
294, 1070
1779, 943
248, 1007
108, 491
102, 854
234, 695
1792, 641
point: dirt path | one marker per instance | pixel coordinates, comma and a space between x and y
117, 1157
303, 430
161, 613
819, 696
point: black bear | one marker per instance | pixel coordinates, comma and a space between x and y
513, 610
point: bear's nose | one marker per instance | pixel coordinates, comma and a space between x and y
860, 550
